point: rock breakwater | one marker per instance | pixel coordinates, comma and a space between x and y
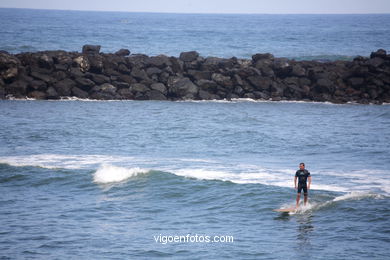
121, 75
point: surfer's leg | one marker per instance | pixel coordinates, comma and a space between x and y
304, 195
298, 198
299, 194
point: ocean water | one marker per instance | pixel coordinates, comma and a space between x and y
293, 36
106, 179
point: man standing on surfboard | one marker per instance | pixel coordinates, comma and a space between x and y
302, 175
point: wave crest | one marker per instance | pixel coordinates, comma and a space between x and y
109, 173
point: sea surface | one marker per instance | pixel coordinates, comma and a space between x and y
324, 37
105, 179
86, 179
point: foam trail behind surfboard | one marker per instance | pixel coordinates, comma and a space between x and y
313, 205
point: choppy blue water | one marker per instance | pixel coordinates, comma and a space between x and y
98, 180
294, 36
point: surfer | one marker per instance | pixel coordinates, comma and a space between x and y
302, 175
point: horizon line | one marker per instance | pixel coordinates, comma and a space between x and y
158, 12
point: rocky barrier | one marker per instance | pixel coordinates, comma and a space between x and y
95, 75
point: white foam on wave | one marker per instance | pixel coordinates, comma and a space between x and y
205, 169
111, 174
53, 161
261, 176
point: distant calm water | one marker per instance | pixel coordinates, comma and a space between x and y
293, 36
98, 180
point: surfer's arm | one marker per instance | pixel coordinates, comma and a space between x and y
295, 182
309, 179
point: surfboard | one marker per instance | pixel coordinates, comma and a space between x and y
285, 210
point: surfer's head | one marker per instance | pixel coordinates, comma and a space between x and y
302, 166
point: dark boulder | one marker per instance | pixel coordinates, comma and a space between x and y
126, 78
282, 67
37, 94
247, 72
159, 61
204, 95
237, 80
262, 56
10, 73
381, 53
84, 83
207, 85
177, 65
44, 77
137, 60
79, 93
123, 52
95, 63
239, 91
59, 75
222, 80
45, 61
2, 92
159, 87
64, 87
9, 65
75, 72
360, 59
212, 64
277, 89
373, 94
122, 68
298, 71
261, 95
266, 71
112, 72
153, 71
37, 85
126, 93
102, 96
120, 84
17, 89
260, 82
138, 88
105, 88
324, 86
91, 49
82, 62
198, 74
189, 56
139, 74
51, 93
155, 95
249, 95
98, 78
193, 65
355, 82
375, 62
63, 58
182, 88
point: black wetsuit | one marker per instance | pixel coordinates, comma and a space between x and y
302, 176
